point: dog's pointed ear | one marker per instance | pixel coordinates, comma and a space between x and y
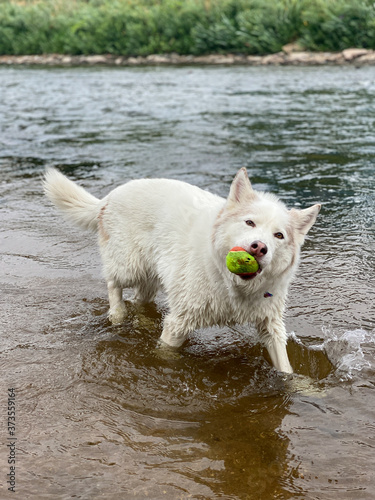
304, 219
241, 190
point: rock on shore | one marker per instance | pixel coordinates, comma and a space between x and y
291, 55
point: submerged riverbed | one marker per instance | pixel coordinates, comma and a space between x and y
98, 413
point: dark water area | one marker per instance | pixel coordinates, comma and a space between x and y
99, 413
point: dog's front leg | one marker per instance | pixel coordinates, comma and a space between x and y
274, 336
175, 331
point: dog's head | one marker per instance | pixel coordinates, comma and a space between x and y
263, 226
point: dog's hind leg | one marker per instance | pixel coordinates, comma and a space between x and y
117, 309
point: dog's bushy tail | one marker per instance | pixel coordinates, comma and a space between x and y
75, 202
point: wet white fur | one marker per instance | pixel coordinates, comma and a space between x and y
160, 233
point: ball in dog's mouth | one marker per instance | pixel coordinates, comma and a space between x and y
242, 264
249, 276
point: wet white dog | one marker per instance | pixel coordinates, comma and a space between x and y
166, 234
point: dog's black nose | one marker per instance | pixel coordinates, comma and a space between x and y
258, 249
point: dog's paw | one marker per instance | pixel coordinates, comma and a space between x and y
117, 314
304, 385
165, 351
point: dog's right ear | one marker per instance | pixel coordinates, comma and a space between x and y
241, 190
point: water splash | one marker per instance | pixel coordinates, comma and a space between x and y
348, 352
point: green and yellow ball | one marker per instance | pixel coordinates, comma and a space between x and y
241, 262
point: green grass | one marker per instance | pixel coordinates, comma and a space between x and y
142, 27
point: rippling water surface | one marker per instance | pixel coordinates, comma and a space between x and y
98, 413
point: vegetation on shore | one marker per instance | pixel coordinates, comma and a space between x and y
143, 27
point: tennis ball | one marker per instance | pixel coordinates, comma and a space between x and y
240, 262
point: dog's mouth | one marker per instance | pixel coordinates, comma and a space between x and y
249, 276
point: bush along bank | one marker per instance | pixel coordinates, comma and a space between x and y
139, 28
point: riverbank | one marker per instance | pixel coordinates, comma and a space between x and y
288, 56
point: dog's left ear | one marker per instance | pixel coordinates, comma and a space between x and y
304, 219
241, 190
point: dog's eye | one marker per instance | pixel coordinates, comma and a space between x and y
250, 223
279, 236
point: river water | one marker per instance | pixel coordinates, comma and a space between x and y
98, 413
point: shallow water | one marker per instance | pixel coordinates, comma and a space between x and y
99, 414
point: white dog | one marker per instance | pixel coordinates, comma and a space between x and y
166, 234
